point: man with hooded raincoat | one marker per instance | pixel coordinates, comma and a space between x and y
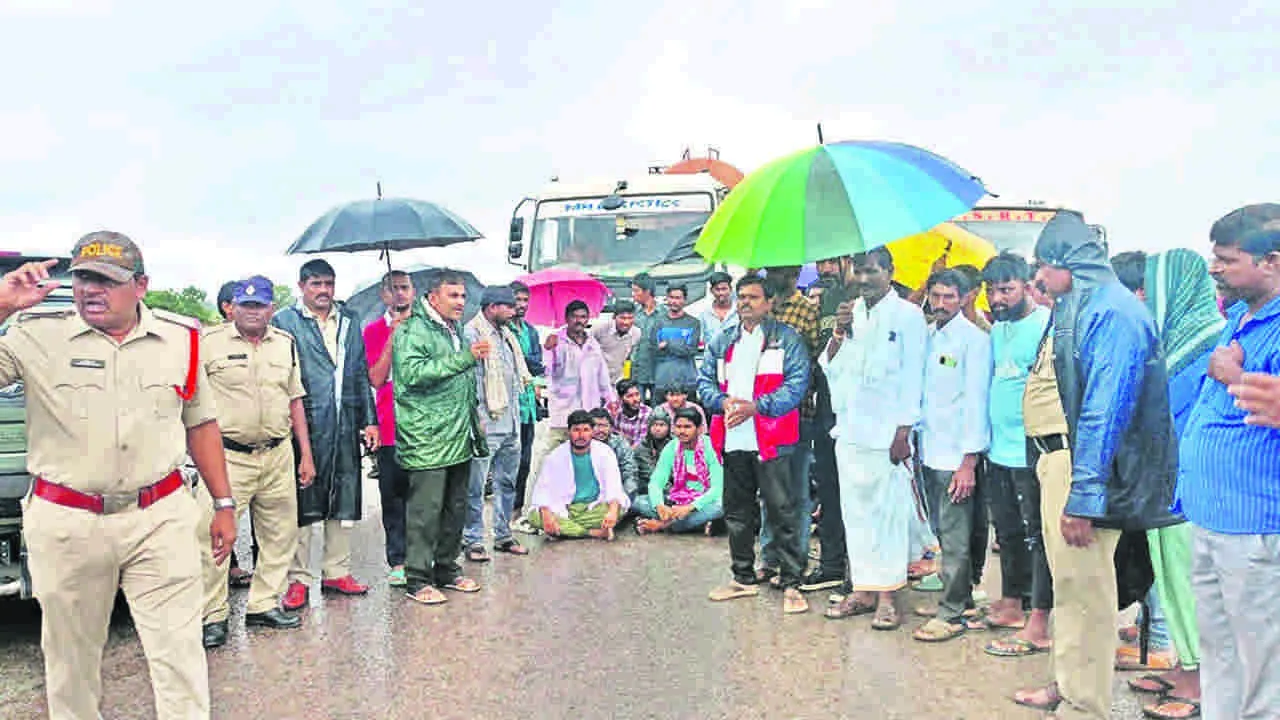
1096, 411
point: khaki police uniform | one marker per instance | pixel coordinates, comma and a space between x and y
106, 419
254, 384
1084, 640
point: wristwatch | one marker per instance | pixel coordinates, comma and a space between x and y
224, 503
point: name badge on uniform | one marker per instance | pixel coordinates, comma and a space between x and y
238, 356
88, 363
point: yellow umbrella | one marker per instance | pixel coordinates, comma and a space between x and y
914, 256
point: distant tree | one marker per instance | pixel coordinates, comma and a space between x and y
284, 297
190, 301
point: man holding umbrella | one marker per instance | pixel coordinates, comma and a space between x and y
340, 415
438, 433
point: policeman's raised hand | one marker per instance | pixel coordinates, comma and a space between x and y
551, 342
480, 349
222, 533
27, 286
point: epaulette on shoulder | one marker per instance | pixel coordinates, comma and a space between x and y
53, 313
208, 330
183, 320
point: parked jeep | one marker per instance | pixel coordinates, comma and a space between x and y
14, 480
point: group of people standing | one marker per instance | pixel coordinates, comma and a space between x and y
1114, 403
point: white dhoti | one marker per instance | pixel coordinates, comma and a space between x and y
877, 504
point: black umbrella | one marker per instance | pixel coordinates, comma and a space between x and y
383, 224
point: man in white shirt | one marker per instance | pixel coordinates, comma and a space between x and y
955, 432
874, 365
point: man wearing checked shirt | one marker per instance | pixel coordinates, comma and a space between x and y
1229, 481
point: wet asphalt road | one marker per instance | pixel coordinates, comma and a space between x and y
575, 630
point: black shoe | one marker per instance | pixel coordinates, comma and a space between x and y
816, 580
274, 618
215, 634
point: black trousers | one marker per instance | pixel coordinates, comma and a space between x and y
831, 524
981, 538
522, 474
393, 488
1014, 497
437, 512
747, 481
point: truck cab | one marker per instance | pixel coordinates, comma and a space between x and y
1015, 226
616, 229
14, 479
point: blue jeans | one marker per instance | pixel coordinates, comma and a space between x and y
800, 459
504, 458
1159, 629
692, 522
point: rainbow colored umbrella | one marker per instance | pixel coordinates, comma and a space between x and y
835, 199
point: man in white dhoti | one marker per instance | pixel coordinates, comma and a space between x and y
875, 366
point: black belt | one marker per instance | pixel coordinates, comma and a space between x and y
240, 447
1050, 443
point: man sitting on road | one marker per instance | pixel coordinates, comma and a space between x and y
602, 430
579, 490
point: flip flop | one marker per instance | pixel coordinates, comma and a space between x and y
511, 547
886, 618
1173, 708
1014, 647
428, 595
1150, 683
936, 631
464, 584
1049, 706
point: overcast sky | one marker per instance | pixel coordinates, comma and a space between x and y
214, 139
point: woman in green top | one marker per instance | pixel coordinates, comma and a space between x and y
687, 482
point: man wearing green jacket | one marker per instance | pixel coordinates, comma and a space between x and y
437, 435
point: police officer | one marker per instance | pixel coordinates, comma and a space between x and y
253, 373
116, 399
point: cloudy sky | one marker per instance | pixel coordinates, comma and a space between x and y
215, 138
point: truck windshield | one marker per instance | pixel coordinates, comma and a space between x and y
654, 233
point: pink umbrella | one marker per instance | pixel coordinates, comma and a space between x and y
551, 291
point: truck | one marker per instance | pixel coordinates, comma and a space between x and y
616, 229
1015, 226
14, 479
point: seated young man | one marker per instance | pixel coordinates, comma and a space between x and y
687, 482
677, 398
579, 490
602, 429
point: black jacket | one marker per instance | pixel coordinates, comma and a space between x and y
335, 417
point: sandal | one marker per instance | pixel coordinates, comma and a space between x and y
936, 631
477, 553
511, 547
886, 618
428, 595
1025, 698
1173, 708
733, 590
462, 583
849, 607
793, 602
1150, 683
1014, 647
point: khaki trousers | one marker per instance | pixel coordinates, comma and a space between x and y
1084, 610
264, 482
337, 552
78, 560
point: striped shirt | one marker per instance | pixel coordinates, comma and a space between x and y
1229, 472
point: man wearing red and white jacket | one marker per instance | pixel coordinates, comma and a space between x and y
752, 380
